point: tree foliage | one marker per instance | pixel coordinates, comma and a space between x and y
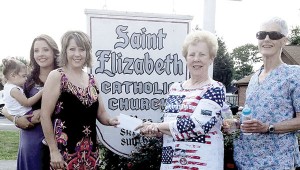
244, 57
294, 37
223, 65
146, 156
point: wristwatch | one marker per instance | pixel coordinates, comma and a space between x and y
271, 128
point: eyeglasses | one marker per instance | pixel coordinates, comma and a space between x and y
273, 35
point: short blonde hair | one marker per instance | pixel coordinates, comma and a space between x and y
201, 36
82, 40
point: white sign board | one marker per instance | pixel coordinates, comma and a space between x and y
136, 57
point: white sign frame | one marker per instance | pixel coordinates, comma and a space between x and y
151, 44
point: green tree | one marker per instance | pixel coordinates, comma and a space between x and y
244, 57
294, 37
223, 65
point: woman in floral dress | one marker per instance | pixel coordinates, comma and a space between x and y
273, 95
71, 106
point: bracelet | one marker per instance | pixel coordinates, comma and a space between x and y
15, 120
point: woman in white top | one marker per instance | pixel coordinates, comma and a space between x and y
192, 116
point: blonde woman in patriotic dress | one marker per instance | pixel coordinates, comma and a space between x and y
70, 107
192, 137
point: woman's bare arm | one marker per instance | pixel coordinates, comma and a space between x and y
50, 97
22, 121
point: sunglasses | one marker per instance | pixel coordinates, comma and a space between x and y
273, 35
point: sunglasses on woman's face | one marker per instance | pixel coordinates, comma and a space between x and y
273, 35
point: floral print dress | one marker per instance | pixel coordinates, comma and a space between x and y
273, 100
75, 124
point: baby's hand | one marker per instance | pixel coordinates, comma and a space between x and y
36, 117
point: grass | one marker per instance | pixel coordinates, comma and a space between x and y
9, 143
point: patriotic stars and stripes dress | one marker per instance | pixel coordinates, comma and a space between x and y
194, 117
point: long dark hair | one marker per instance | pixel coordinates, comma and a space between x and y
34, 75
